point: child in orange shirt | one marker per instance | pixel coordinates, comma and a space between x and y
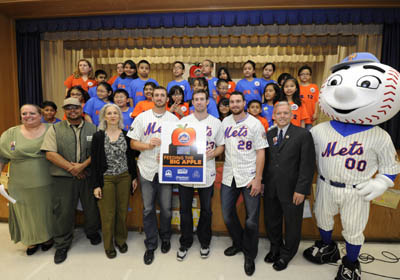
176, 104
147, 104
82, 76
291, 93
254, 108
309, 94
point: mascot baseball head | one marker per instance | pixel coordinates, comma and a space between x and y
361, 90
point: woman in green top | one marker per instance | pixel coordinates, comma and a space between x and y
30, 218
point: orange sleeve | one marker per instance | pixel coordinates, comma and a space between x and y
186, 112
232, 86
264, 122
112, 80
68, 81
138, 109
303, 115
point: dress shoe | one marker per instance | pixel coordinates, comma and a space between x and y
271, 257
111, 254
165, 246
47, 245
280, 264
123, 248
249, 266
94, 238
148, 257
30, 251
60, 255
231, 251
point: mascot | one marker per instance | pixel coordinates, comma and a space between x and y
359, 94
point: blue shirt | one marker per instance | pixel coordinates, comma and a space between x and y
266, 113
185, 86
93, 91
250, 89
211, 108
93, 107
212, 86
127, 118
264, 83
122, 83
136, 89
42, 120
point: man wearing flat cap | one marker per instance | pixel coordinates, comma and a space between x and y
67, 145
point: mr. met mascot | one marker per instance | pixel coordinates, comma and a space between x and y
359, 94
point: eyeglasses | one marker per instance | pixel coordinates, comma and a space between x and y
72, 107
305, 74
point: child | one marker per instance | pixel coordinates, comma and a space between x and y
176, 104
282, 77
82, 76
254, 108
222, 90
291, 93
94, 105
223, 74
99, 76
206, 68
200, 83
250, 86
145, 104
223, 108
178, 70
120, 98
120, 70
272, 94
268, 70
129, 74
136, 87
79, 93
309, 94
49, 111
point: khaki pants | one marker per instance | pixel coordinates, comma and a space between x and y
114, 208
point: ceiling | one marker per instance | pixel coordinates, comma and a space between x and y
64, 8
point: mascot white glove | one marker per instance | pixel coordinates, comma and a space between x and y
374, 187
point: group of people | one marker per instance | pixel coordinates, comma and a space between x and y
91, 156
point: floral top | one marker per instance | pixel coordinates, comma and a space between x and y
116, 155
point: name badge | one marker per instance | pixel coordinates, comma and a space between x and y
89, 138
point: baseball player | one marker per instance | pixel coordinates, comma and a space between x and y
145, 133
215, 147
245, 141
350, 149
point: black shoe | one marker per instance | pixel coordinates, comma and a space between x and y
349, 270
123, 248
280, 264
271, 257
94, 238
165, 246
231, 251
32, 250
60, 255
46, 246
111, 254
321, 253
148, 257
249, 266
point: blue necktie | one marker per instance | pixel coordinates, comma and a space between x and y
280, 137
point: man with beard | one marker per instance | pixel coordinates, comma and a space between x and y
245, 141
67, 145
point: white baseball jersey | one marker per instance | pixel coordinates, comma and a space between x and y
355, 158
242, 140
148, 125
215, 138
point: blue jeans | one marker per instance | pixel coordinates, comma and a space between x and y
204, 226
152, 190
247, 238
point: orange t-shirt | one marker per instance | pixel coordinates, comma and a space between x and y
309, 96
184, 108
142, 106
232, 87
112, 80
299, 114
264, 122
71, 82
227, 95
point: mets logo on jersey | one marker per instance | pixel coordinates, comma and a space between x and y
257, 83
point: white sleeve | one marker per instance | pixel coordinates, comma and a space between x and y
219, 137
260, 137
137, 128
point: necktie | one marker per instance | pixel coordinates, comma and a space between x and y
280, 137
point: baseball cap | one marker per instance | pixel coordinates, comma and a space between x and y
72, 101
354, 58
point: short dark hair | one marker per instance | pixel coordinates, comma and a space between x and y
221, 81
304, 67
49, 104
238, 93
269, 63
85, 94
201, 91
152, 84
99, 72
133, 66
181, 63
282, 77
254, 101
143, 61
120, 90
163, 88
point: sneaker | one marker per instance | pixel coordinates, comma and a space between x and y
349, 270
321, 253
181, 254
204, 252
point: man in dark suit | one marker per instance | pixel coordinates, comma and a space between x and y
288, 174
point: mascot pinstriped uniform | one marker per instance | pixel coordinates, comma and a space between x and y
359, 94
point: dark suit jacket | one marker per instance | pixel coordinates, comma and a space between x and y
290, 166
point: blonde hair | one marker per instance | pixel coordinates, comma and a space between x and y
77, 74
103, 122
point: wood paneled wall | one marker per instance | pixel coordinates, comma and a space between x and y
9, 103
